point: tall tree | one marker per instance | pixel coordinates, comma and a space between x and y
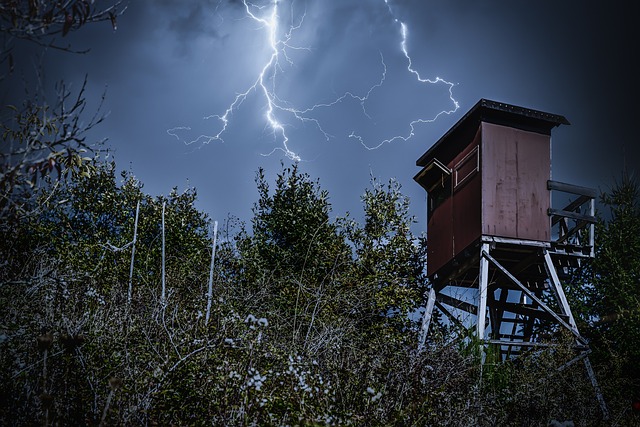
40, 21
40, 137
390, 259
293, 260
606, 292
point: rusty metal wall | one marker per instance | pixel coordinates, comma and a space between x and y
506, 196
515, 168
467, 191
456, 223
439, 237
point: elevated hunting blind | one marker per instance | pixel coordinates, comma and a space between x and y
493, 233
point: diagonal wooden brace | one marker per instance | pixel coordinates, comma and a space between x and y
531, 295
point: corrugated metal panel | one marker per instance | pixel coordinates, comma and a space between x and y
515, 168
439, 237
507, 196
467, 190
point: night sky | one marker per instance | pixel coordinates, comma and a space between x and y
172, 63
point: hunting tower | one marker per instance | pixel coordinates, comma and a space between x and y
493, 233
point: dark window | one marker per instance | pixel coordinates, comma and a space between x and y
435, 177
438, 194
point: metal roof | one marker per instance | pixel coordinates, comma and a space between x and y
493, 112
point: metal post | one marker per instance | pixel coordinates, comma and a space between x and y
133, 253
592, 229
162, 297
213, 258
426, 319
553, 275
564, 307
483, 289
596, 387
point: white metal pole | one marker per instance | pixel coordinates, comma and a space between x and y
559, 292
483, 290
133, 253
163, 262
213, 258
592, 229
426, 319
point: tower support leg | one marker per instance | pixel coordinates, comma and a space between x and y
596, 387
483, 277
566, 310
557, 288
483, 288
426, 319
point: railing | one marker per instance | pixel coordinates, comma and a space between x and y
573, 226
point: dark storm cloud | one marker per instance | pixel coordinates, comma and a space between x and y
189, 20
173, 62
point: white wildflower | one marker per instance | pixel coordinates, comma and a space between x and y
256, 380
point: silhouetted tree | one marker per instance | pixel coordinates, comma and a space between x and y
606, 292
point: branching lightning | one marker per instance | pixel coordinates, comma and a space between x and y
413, 123
267, 75
265, 84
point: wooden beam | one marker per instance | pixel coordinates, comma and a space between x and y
483, 291
531, 344
571, 207
447, 313
426, 320
573, 215
531, 295
573, 189
515, 242
581, 224
456, 303
528, 311
557, 286
521, 343
460, 270
526, 263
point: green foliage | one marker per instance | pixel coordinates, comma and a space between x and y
293, 264
607, 290
40, 20
390, 259
43, 141
312, 322
293, 239
616, 269
41, 147
88, 228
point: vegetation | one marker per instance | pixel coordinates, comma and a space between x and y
314, 321
606, 292
43, 137
311, 322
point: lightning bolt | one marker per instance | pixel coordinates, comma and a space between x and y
265, 84
420, 79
